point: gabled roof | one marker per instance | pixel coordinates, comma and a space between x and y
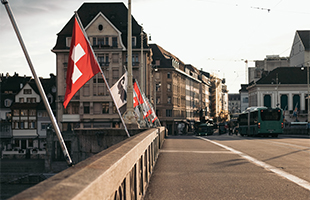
285, 75
164, 56
13, 83
207, 74
116, 13
305, 38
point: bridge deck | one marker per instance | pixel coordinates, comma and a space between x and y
192, 168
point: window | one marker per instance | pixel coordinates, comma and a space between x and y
169, 100
30, 143
7, 102
75, 108
44, 126
296, 102
31, 100
16, 143
284, 102
21, 100
105, 108
267, 100
158, 100
168, 87
68, 41
101, 41
245, 100
114, 42
21, 124
86, 109
168, 113
24, 112
27, 91
72, 108
168, 75
32, 112
135, 59
103, 59
157, 86
134, 41
94, 41
15, 112
32, 124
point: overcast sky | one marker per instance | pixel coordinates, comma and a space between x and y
213, 35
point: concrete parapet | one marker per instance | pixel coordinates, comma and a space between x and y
119, 172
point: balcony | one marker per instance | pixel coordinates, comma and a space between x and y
70, 118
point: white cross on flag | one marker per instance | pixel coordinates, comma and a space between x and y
82, 64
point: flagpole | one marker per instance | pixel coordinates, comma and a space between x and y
39, 85
102, 74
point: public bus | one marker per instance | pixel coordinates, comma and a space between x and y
261, 121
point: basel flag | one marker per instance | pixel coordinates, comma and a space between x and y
82, 64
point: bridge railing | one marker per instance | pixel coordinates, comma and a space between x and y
119, 172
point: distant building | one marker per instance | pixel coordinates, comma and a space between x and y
218, 99
234, 103
244, 97
284, 87
262, 67
10, 86
300, 51
27, 117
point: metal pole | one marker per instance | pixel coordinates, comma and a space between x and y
129, 61
38, 83
142, 67
129, 116
308, 93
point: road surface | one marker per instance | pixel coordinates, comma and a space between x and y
232, 167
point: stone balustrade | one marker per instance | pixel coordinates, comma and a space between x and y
119, 172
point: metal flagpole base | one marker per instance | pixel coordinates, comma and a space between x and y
142, 124
130, 119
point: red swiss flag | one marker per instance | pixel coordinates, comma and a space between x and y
82, 64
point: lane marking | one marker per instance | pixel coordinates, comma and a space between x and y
293, 145
183, 151
303, 183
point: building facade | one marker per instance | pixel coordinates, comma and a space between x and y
183, 93
234, 103
278, 89
106, 27
300, 51
27, 117
262, 67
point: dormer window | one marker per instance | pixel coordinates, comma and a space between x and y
27, 91
134, 41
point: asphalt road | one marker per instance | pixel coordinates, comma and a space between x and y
232, 167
